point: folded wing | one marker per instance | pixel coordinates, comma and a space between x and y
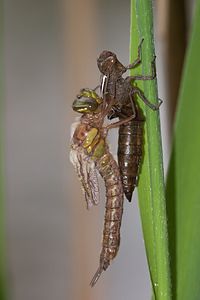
85, 169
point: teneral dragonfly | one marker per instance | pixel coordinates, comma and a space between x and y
90, 152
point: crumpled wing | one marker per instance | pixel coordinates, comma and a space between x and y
85, 169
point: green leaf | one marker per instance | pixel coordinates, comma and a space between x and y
183, 182
151, 189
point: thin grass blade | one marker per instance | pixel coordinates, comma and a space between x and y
151, 189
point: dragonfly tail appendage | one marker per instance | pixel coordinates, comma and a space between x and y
96, 276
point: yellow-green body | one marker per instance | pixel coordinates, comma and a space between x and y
91, 140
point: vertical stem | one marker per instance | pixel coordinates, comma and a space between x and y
151, 189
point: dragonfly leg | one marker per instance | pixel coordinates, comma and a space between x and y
143, 77
138, 60
146, 101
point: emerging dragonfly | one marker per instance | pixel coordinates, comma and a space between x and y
130, 133
90, 152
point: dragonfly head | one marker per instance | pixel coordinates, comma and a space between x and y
86, 102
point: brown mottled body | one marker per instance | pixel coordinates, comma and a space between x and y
109, 170
89, 146
129, 152
130, 134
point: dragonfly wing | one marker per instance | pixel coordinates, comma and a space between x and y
85, 169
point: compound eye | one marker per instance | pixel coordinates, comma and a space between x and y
85, 105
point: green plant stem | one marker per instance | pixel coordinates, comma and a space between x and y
151, 189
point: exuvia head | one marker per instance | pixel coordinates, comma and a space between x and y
86, 102
108, 63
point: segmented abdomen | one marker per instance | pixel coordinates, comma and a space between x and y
130, 154
109, 170
93, 145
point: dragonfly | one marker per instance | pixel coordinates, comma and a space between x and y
89, 152
130, 138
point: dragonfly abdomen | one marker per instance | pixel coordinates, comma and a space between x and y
109, 170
